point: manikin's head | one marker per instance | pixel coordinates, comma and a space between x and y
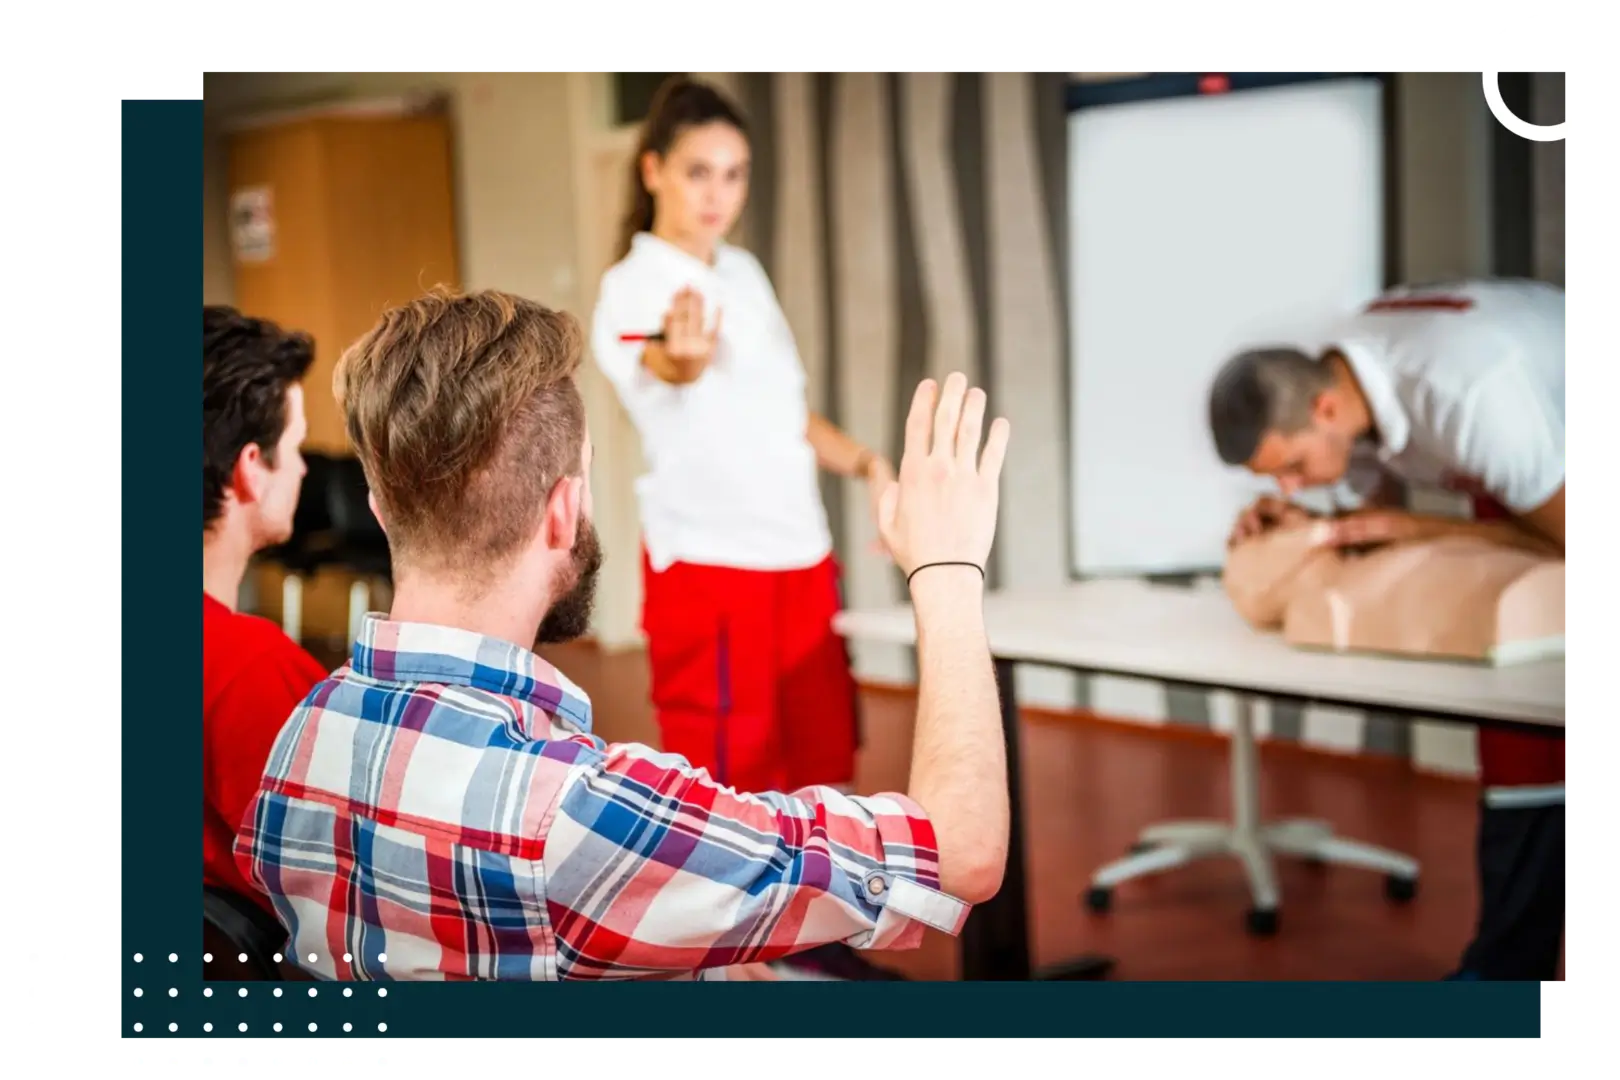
1281, 414
691, 167
466, 416
1265, 572
253, 425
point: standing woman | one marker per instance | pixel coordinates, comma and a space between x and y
749, 679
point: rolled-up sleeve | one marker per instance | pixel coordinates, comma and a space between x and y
651, 867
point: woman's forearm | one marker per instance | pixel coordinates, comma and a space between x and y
836, 451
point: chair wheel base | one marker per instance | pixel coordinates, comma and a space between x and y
1099, 898
1142, 846
1400, 889
1262, 922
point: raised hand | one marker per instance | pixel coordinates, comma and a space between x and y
943, 506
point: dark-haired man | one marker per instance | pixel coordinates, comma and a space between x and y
1456, 387
253, 674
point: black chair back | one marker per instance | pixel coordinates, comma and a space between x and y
312, 519
233, 927
349, 505
314, 513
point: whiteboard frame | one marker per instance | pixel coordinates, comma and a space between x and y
1156, 86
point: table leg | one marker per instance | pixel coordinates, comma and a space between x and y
995, 940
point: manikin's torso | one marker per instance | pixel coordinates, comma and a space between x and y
1455, 598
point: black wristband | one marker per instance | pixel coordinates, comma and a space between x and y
926, 565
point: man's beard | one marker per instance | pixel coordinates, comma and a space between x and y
570, 614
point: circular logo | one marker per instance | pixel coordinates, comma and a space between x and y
1504, 115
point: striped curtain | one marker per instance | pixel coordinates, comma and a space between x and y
916, 224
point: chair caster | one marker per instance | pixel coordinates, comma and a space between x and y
1099, 898
1262, 922
1142, 846
1400, 889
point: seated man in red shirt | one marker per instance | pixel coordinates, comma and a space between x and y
253, 674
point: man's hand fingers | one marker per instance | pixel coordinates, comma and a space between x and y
948, 413
995, 449
919, 422
970, 427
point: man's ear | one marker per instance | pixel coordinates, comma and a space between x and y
560, 522
1325, 409
376, 512
248, 478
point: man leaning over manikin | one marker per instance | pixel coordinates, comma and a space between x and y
1457, 385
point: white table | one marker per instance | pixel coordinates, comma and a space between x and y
1190, 636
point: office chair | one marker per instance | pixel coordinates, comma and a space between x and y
359, 544
233, 927
307, 549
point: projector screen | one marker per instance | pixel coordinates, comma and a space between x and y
1201, 226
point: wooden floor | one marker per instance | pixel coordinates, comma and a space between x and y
1090, 785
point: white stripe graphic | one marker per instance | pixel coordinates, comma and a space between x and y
67, 1062
67, 991
83, 1028
67, 960
277, 1064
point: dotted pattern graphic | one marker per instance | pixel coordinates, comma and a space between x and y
232, 1009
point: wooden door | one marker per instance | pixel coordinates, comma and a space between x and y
362, 216
359, 213
286, 274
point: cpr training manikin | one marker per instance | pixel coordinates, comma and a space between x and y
1456, 598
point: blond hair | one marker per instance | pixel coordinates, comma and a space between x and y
465, 413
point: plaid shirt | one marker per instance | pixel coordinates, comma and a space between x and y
441, 802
